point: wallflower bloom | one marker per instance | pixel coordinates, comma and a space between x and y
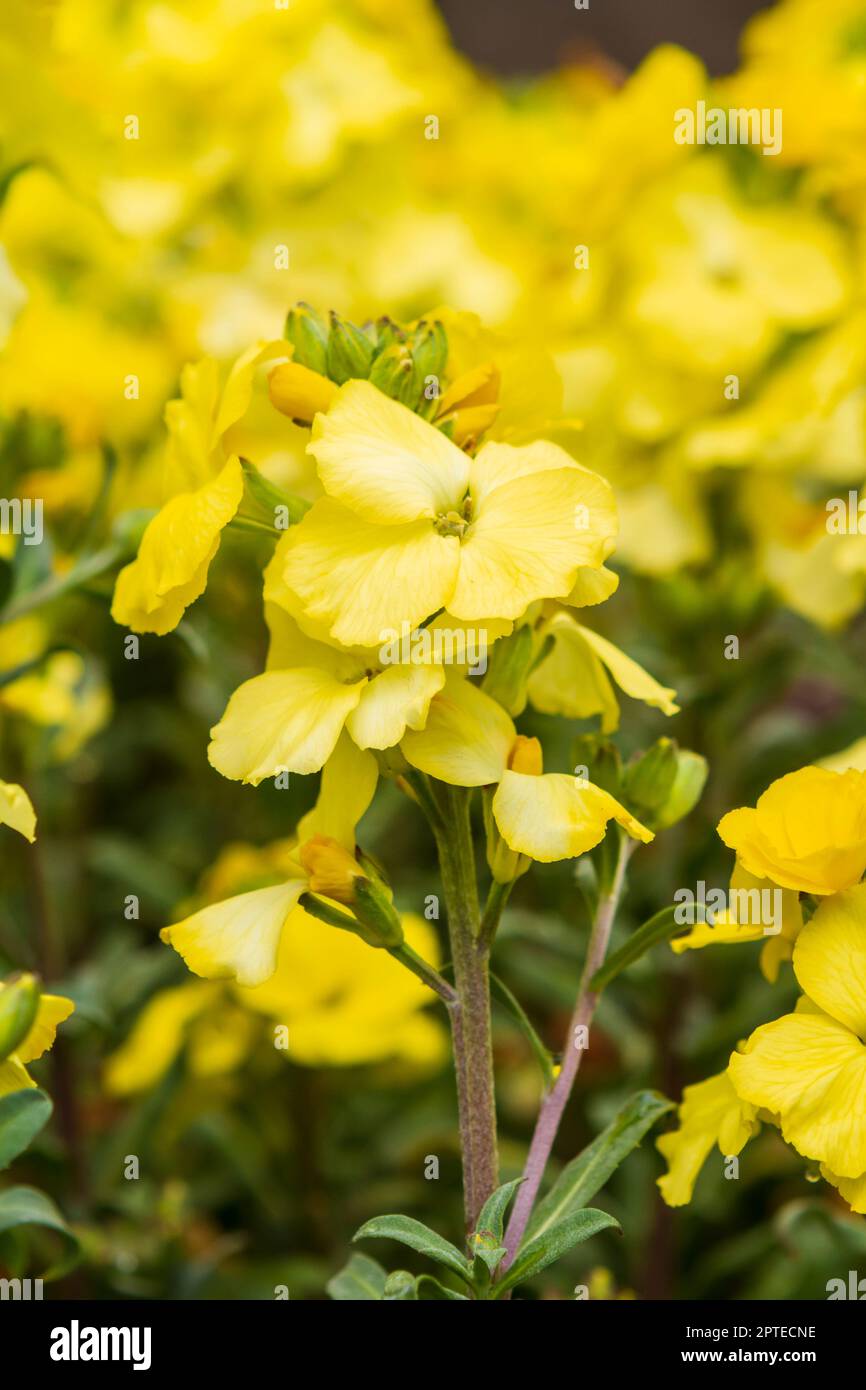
51, 1011
170, 571
410, 524
470, 741
744, 921
809, 1067
807, 832
711, 1113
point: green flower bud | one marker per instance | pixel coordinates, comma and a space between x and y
649, 780
308, 336
350, 351
685, 792
395, 374
399, 1286
19, 1003
429, 344
598, 761
504, 863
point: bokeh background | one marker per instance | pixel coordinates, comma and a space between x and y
124, 256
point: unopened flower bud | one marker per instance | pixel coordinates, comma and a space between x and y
309, 338
19, 1002
350, 351
298, 392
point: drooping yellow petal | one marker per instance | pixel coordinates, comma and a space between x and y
830, 958
557, 817
170, 571
281, 721
16, 810
592, 586
383, 461
807, 831
527, 539
853, 1190
395, 700
466, 740
236, 939
52, 1010
365, 581
810, 1070
571, 680
349, 780
629, 676
710, 1113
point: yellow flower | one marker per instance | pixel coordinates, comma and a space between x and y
16, 809
171, 568
807, 832
51, 1011
573, 680
809, 1067
292, 716
410, 524
470, 741
710, 1113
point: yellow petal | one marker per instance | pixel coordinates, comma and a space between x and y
477, 387
383, 461
571, 680
830, 958
16, 810
170, 571
282, 721
810, 1070
556, 817
395, 700
710, 1113
238, 938
52, 1011
853, 1190
349, 780
466, 740
629, 676
527, 539
365, 581
298, 392
807, 832
13, 1076
592, 586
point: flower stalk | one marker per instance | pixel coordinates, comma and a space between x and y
554, 1103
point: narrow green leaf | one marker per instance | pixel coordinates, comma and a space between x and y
661, 927
430, 1288
502, 993
535, 1255
22, 1115
417, 1237
25, 1206
586, 1174
361, 1280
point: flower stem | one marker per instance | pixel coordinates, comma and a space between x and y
555, 1101
470, 1014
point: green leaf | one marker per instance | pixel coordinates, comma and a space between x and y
417, 1237
585, 1175
661, 927
430, 1288
503, 994
361, 1280
536, 1254
25, 1206
22, 1115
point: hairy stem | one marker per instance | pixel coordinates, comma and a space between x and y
555, 1101
470, 1014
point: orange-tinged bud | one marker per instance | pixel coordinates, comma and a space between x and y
526, 756
332, 869
298, 392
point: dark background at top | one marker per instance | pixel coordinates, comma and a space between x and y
525, 36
